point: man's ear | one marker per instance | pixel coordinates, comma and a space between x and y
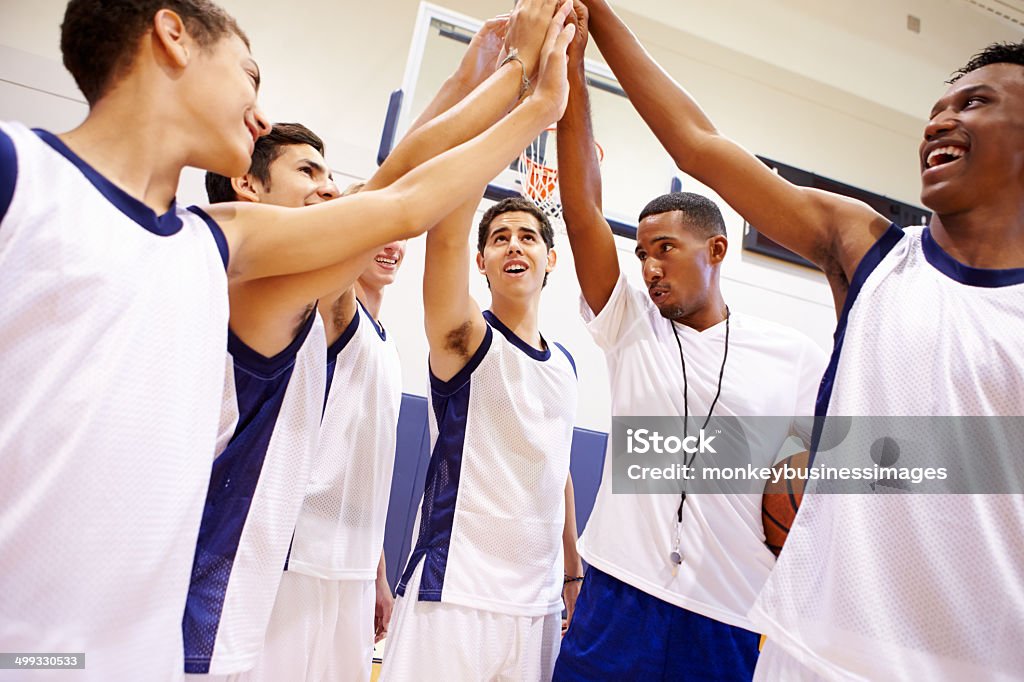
480, 262
717, 248
552, 259
170, 34
247, 188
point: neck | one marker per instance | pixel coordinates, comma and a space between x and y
708, 315
371, 297
126, 140
520, 316
984, 237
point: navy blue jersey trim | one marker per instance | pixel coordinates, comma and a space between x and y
440, 494
8, 173
164, 225
234, 479
339, 344
447, 388
965, 274
541, 355
245, 358
878, 251
569, 356
218, 234
334, 349
377, 326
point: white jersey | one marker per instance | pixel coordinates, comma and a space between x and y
340, 532
270, 421
112, 332
490, 526
771, 370
919, 586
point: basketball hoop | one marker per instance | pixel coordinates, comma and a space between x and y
538, 173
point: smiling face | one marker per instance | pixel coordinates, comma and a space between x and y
679, 266
219, 88
384, 268
515, 260
973, 147
299, 176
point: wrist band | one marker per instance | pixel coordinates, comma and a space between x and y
572, 579
513, 56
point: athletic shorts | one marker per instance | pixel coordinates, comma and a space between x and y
319, 630
621, 633
437, 641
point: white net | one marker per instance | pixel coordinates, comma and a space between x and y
537, 174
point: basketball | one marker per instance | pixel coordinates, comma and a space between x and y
781, 501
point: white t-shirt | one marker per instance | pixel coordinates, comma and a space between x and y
771, 371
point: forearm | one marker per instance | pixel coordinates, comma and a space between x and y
573, 563
458, 113
434, 189
382, 570
672, 114
580, 173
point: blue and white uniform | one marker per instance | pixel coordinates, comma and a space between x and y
322, 623
486, 571
113, 330
919, 586
270, 420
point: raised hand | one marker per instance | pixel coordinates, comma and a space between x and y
526, 31
552, 84
580, 16
482, 54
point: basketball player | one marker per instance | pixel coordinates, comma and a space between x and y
115, 330
670, 582
334, 598
480, 597
874, 587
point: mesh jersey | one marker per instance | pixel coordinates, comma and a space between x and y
770, 370
113, 331
272, 409
490, 526
340, 532
922, 587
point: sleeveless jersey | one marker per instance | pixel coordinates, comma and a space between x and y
271, 410
340, 532
912, 586
490, 526
113, 329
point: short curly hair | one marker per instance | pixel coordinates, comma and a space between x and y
99, 38
700, 213
996, 53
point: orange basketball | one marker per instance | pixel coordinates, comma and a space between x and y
782, 500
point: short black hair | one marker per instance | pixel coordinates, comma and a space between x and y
268, 148
516, 205
99, 38
700, 213
996, 53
